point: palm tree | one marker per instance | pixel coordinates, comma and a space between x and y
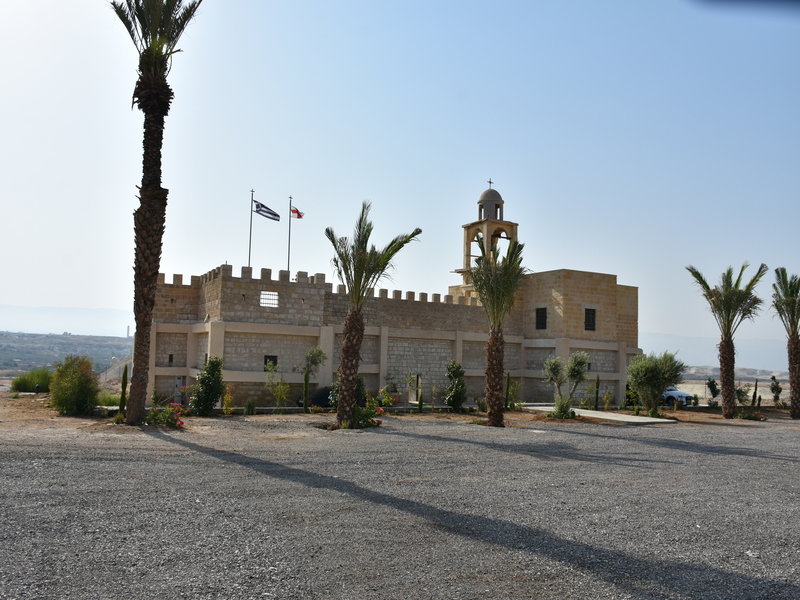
496, 283
786, 302
155, 26
359, 266
731, 303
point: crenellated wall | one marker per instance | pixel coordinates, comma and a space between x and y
245, 318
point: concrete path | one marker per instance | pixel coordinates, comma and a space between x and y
608, 415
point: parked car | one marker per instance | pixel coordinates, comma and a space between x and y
673, 393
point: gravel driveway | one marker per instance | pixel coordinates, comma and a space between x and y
271, 507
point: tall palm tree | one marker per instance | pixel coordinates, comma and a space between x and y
359, 266
786, 302
155, 26
730, 303
496, 280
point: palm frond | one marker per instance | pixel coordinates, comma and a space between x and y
497, 280
359, 265
786, 300
730, 302
155, 27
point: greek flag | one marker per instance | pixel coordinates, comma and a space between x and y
266, 211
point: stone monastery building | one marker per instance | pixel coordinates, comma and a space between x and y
249, 320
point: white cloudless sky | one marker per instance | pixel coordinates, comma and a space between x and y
625, 137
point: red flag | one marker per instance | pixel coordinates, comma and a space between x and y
296, 213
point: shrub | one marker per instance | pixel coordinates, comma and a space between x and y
169, 415
27, 382
455, 394
315, 357
482, 405
713, 403
227, 400
250, 406
74, 389
106, 398
123, 396
563, 408
209, 388
279, 388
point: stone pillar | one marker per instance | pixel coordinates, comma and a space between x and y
216, 339
383, 356
325, 341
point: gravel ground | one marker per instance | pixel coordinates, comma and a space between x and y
271, 507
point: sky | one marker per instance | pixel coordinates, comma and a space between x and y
626, 137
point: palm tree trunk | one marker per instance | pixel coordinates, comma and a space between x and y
727, 354
349, 362
793, 346
495, 354
148, 226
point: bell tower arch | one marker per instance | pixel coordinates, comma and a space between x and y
492, 227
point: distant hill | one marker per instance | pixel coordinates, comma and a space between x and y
26, 351
80, 321
742, 374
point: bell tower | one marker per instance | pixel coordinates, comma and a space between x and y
491, 226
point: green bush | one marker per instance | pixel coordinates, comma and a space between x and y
455, 394
106, 398
27, 382
74, 389
209, 388
250, 406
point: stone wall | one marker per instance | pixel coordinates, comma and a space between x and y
219, 314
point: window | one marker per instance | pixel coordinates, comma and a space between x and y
590, 322
270, 358
541, 318
170, 360
269, 299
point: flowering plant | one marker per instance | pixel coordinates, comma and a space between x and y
169, 415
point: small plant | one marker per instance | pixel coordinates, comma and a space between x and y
776, 389
15, 395
106, 398
169, 415
480, 422
742, 394
563, 408
750, 415
455, 394
755, 394
434, 388
74, 389
250, 406
123, 395
607, 400
695, 400
385, 397
28, 382
636, 410
513, 402
482, 405
315, 357
713, 388
227, 400
316, 409
279, 388
209, 388
713, 403
557, 372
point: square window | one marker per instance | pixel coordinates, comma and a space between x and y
590, 321
269, 299
541, 318
270, 358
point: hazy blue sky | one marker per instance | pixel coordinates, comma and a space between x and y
626, 136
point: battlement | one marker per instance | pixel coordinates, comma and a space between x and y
303, 278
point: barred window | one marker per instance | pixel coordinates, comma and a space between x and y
590, 322
269, 299
541, 318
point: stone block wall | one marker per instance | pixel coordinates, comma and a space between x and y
171, 344
222, 314
246, 351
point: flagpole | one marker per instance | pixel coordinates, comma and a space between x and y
250, 241
289, 249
